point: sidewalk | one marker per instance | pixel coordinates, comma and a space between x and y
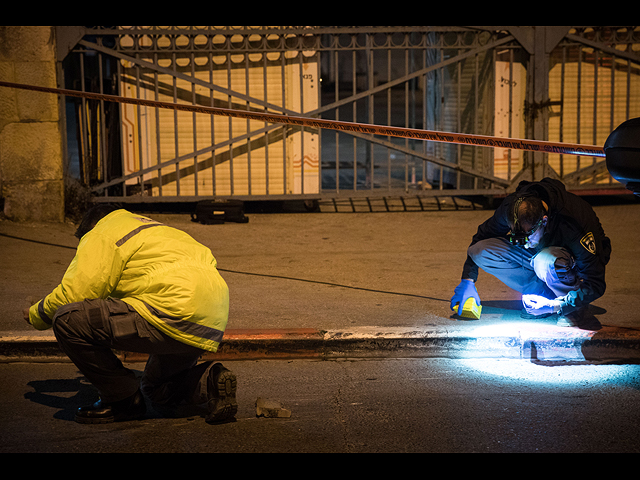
348, 284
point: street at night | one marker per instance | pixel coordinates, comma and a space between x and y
375, 406
396, 239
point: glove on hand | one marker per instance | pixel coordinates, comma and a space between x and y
537, 305
465, 290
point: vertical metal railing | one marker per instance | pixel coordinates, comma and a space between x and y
594, 88
410, 76
454, 79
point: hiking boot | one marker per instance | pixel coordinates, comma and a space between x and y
131, 408
221, 394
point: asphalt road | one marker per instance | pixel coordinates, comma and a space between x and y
375, 406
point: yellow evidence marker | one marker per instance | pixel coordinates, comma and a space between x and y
470, 309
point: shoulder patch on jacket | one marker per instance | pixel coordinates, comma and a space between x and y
589, 243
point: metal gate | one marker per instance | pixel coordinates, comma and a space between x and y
562, 84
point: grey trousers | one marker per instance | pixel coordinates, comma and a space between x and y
89, 331
549, 273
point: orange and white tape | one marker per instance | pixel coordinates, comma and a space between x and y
390, 131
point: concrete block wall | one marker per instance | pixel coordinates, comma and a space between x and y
31, 159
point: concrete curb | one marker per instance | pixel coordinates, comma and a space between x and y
543, 342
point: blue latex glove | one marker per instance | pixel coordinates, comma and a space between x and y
537, 305
465, 290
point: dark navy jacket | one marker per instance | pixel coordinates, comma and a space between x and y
572, 225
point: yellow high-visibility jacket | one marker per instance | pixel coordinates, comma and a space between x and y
164, 274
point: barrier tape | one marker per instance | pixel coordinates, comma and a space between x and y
390, 131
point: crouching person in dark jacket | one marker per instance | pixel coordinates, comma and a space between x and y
547, 244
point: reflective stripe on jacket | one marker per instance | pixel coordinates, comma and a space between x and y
169, 278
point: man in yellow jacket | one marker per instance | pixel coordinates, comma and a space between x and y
140, 286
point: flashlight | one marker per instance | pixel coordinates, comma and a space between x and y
518, 238
534, 299
542, 305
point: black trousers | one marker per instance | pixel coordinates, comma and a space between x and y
89, 331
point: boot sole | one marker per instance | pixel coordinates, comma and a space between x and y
223, 406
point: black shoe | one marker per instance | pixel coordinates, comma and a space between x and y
221, 392
131, 408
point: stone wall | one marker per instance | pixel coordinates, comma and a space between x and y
31, 160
